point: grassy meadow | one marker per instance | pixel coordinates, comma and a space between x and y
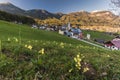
31, 54
98, 35
25, 32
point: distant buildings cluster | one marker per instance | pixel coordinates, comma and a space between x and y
75, 32
71, 31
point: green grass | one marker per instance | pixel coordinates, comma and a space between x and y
13, 30
19, 62
57, 63
8, 30
98, 35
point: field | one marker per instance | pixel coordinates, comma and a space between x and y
8, 30
31, 54
98, 35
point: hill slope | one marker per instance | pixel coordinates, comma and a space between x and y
43, 55
96, 18
8, 29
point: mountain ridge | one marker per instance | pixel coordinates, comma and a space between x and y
81, 17
11, 8
35, 13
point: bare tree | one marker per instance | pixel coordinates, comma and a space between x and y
115, 7
115, 4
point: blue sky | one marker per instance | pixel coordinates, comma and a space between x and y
64, 6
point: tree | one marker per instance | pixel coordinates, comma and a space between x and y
116, 3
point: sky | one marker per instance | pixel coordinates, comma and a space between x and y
65, 6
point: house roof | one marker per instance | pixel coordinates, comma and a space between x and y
77, 31
116, 42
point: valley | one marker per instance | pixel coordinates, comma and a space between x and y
20, 50
37, 44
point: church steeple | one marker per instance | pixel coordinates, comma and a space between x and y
69, 25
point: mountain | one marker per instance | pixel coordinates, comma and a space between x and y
99, 14
95, 18
10, 8
80, 18
42, 14
35, 13
104, 14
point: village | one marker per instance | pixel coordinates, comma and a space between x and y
76, 33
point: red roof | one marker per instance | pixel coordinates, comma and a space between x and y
116, 42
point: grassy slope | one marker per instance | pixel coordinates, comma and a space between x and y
98, 35
12, 30
57, 63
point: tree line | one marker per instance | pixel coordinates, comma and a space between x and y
16, 18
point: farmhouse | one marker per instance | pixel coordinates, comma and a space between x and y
114, 44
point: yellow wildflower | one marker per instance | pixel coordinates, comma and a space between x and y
42, 51
86, 69
26, 46
108, 55
78, 64
78, 60
8, 39
16, 40
62, 44
70, 70
75, 59
30, 47
78, 56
